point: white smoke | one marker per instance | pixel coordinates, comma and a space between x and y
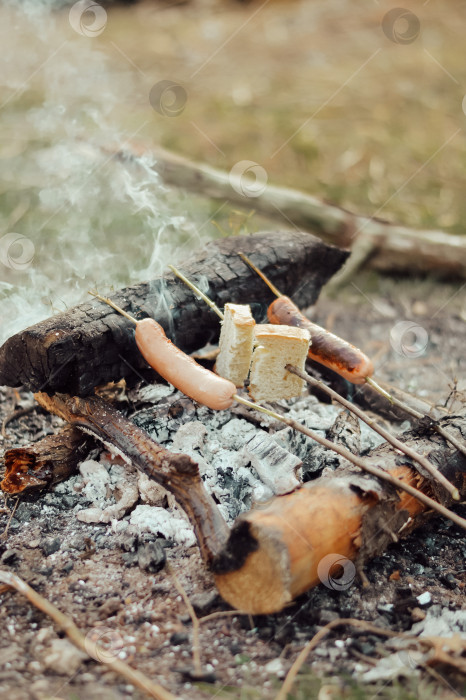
93, 221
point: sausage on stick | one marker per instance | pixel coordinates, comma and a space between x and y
357, 461
326, 348
175, 366
335, 353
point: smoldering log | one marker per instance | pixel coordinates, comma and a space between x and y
276, 552
90, 344
46, 463
177, 473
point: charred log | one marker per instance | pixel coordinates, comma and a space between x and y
90, 344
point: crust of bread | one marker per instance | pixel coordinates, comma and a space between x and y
276, 347
236, 343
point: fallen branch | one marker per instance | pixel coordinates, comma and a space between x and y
277, 551
45, 463
195, 622
89, 345
177, 473
84, 643
385, 245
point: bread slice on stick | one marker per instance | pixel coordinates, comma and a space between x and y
276, 347
236, 343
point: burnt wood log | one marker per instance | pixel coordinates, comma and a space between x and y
91, 344
278, 551
46, 463
177, 473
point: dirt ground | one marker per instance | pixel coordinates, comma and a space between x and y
92, 573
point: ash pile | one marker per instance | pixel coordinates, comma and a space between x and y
244, 459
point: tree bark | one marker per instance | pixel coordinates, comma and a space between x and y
276, 552
383, 244
46, 463
91, 344
177, 473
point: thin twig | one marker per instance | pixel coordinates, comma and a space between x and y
16, 414
111, 303
358, 462
416, 414
220, 613
4, 534
423, 461
194, 619
95, 651
197, 291
432, 642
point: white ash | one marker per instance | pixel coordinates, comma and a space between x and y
241, 462
62, 657
150, 393
402, 664
163, 522
278, 469
441, 622
109, 487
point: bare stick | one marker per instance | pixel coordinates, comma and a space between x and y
197, 291
136, 678
4, 534
343, 452
423, 461
263, 277
113, 305
194, 619
416, 414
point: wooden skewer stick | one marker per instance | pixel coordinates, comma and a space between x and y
428, 466
343, 452
370, 380
358, 462
197, 291
85, 643
108, 301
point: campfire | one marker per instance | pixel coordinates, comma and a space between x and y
280, 490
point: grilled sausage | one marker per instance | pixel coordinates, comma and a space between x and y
180, 369
326, 348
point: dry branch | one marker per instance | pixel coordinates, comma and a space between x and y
89, 344
47, 462
386, 245
434, 643
177, 473
273, 552
85, 643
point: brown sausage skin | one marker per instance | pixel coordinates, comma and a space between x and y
328, 349
179, 369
